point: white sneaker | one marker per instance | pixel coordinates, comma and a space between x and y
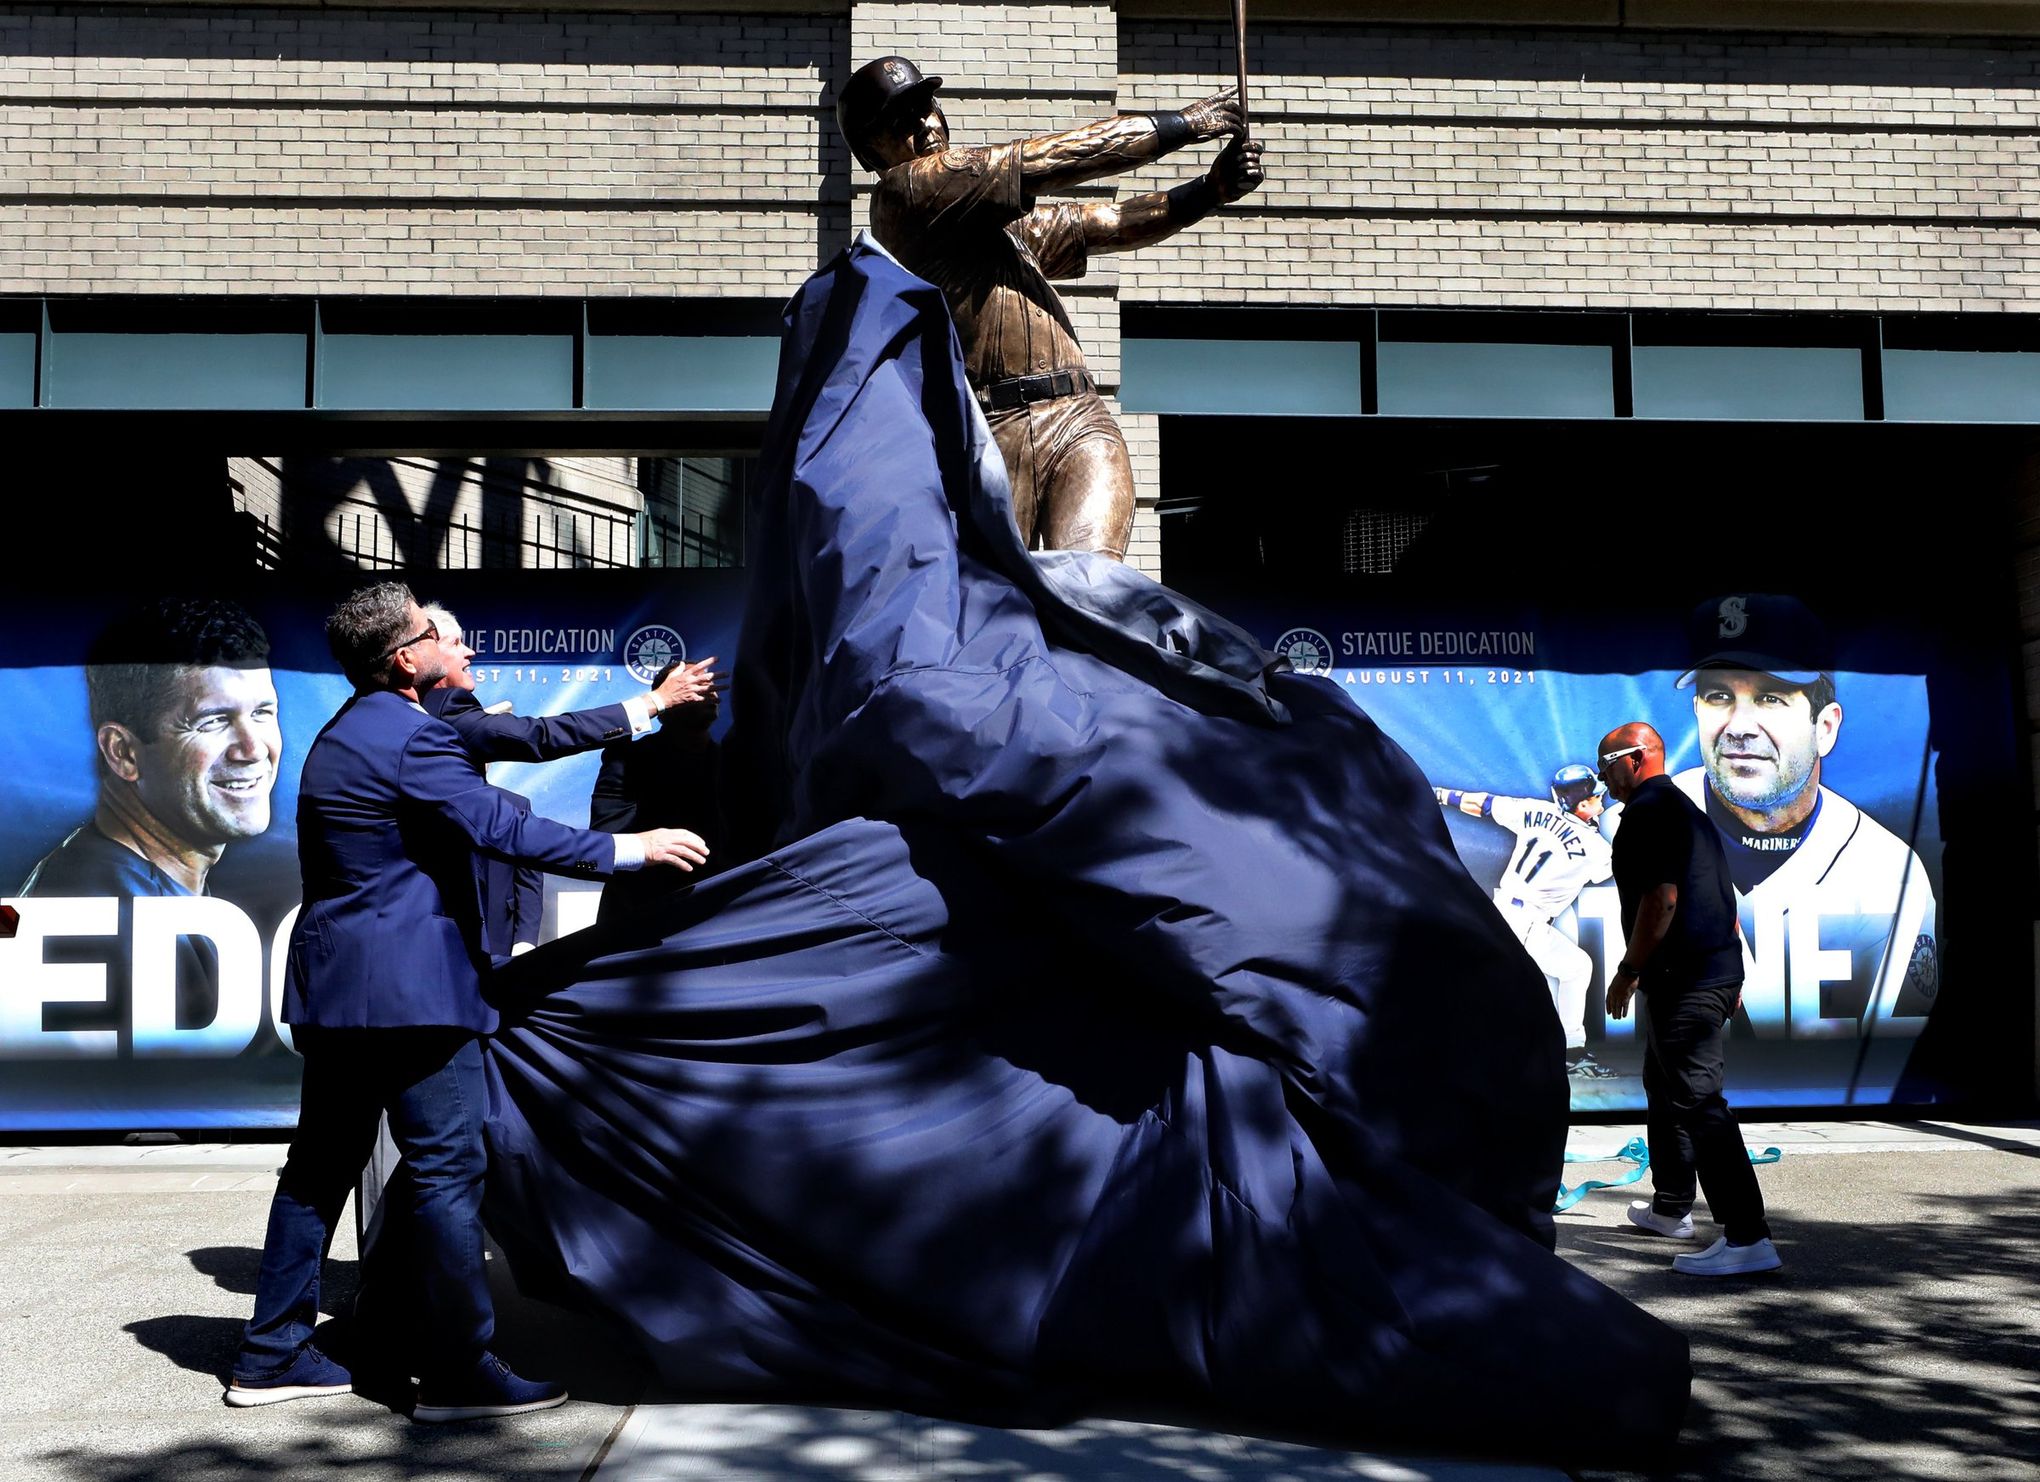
1644, 1217
1723, 1259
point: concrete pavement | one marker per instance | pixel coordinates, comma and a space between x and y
1902, 1340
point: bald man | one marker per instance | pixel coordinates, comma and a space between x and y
1684, 953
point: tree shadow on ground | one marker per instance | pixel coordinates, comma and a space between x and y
1896, 1350
768, 1443
341, 1445
1900, 1349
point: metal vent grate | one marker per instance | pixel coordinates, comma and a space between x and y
1373, 540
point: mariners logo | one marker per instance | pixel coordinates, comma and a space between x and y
1735, 617
896, 72
651, 649
1923, 972
1308, 651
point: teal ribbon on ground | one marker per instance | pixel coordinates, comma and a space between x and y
1635, 1151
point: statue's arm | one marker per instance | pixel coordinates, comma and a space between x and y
1119, 226
1055, 162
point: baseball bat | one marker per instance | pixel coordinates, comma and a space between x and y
1239, 35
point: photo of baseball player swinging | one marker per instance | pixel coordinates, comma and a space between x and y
1559, 851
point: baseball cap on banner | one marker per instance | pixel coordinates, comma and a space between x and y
1761, 631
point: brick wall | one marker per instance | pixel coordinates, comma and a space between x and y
1612, 168
316, 151
300, 149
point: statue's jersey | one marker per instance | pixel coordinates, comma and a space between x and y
1556, 855
960, 219
1840, 938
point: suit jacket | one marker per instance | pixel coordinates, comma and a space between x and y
658, 781
513, 897
525, 738
391, 810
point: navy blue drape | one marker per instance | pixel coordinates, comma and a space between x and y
1104, 1021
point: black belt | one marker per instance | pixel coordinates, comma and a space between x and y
1018, 391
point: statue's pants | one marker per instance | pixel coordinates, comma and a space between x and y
1072, 483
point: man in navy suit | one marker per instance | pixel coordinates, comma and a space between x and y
494, 735
512, 897
383, 993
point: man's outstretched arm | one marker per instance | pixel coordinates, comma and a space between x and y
1120, 226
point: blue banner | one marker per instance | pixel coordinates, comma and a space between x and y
148, 833
154, 864
1824, 795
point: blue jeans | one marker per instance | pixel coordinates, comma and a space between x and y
430, 1082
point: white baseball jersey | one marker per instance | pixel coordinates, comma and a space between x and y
1842, 934
1555, 858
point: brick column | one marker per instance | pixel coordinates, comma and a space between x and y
1144, 444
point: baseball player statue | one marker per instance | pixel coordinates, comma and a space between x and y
1559, 851
966, 219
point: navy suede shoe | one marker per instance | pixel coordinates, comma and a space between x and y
310, 1375
491, 1389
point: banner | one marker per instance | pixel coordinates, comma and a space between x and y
147, 828
1823, 793
147, 831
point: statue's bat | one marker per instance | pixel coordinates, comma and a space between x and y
1239, 36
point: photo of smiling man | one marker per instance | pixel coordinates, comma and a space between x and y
1838, 911
184, 723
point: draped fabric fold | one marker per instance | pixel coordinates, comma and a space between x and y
1105, 1022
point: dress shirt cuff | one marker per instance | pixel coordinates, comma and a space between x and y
639, 709
630, 852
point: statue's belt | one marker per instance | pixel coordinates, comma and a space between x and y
1018, 391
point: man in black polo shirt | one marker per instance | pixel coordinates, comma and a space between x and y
1685, 953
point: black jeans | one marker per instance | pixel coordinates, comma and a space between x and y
1692, 1132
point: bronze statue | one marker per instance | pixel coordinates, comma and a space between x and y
965, 219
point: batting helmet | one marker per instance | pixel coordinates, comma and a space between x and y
874, 91
1572, 785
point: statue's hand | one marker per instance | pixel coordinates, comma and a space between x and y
1217, 116
1237, 169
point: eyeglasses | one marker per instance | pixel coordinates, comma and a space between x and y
431, 631
1616, 756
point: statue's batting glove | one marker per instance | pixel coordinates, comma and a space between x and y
1217, 116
